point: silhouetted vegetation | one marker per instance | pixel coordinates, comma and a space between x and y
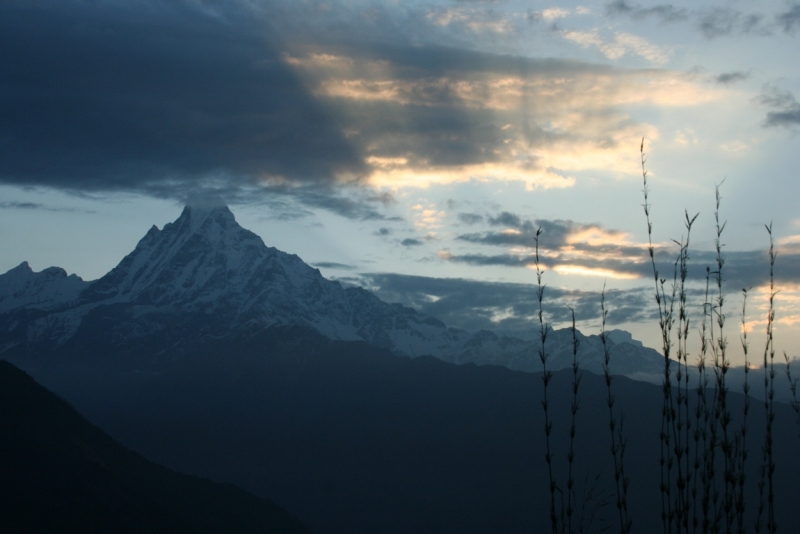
703, 445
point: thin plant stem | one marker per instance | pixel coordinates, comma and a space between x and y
702, 417
719, 347
547, 376
742, 451
576, 382
795, 403
617, 446
681, 416
768, 461
665, 323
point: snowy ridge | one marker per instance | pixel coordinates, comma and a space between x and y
206, 265
48, 289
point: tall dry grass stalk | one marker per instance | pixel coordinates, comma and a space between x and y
576, 382
765, 485
795, 402
618, 441
742, 443
547, 377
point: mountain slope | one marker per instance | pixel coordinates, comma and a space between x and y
353, 439
60, 473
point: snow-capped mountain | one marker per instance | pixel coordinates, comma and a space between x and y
204, 276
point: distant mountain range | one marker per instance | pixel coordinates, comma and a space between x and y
204, 277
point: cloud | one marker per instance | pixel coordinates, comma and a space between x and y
727, 78
562, 264
474, 304
559, 233
786, 108
430, 115
37, 206
664, 12
409, 242
334, 265
473, 19
21, 205
291, 201
470, 218
555, 13
147, 96
278, 103
586, 249
506, 219
351, 203
512, 307
718, 22
712, 22
790, 19
620, 45
565, 246
573, 248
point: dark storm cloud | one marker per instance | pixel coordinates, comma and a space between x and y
790, 20
475, 305
153, 97
727, 78
663, 12
786, 109
163, 97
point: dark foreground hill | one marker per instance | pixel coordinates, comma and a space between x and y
60, 473
353, 439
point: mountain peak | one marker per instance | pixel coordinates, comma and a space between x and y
201, 205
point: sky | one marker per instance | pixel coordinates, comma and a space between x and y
415, 147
